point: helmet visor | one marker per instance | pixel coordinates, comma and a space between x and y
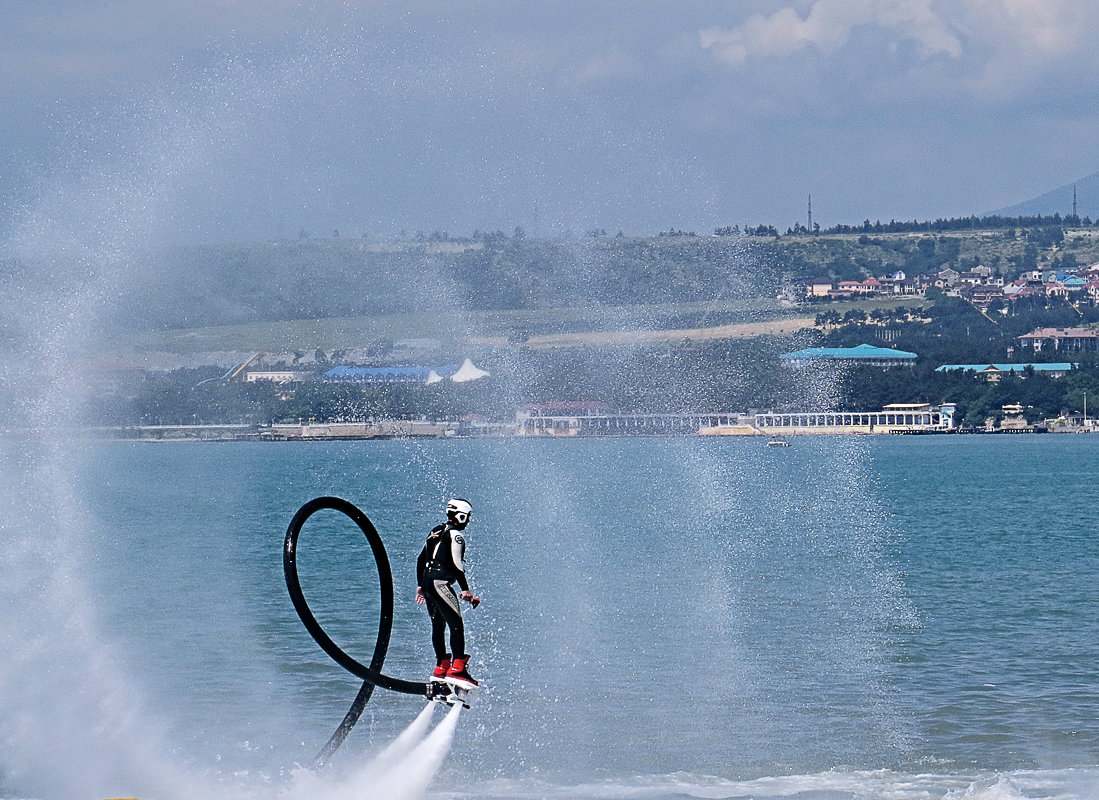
459, 510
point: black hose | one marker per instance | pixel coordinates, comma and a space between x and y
371, 676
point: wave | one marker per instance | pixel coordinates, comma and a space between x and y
1081, 783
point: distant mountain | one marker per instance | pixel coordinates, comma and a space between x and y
1059, 201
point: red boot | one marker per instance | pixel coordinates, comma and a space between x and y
441, 668
457, 673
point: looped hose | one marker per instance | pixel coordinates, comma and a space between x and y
371, 676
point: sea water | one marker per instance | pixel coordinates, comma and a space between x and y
849, 617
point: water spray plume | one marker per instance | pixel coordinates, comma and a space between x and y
73, 722
402, 771
411, 736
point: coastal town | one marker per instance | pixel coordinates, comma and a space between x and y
587, 418
979, 285
875, 332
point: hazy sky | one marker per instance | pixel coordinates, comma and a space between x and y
256, 118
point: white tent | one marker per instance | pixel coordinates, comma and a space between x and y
467, 372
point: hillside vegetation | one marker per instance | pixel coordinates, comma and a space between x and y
340, 293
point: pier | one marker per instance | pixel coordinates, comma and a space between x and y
592, 420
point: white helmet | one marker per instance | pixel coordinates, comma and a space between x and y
459, 511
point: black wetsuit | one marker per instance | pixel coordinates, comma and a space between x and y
441, 564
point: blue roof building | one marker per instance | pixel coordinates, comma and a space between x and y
386, 374
863, 354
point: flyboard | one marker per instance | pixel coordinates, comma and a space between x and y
449, 691
452, 691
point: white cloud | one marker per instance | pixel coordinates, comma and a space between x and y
828, 27
1022, 33
994, 53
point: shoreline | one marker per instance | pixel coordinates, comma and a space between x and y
447, 431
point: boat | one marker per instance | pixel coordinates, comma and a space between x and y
778, 443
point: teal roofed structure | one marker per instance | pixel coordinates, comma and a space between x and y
866, 354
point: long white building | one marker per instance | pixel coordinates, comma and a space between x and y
590, 419
896, 418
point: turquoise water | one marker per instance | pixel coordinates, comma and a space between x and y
883, 617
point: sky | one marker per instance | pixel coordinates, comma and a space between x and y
253, 119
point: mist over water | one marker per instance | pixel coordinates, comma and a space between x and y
79, 719
637, 548
73, 722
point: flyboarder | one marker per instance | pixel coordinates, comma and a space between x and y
440, 565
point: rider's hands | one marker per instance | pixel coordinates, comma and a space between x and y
469, 598
420, 596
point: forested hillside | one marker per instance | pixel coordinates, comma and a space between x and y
193, 287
